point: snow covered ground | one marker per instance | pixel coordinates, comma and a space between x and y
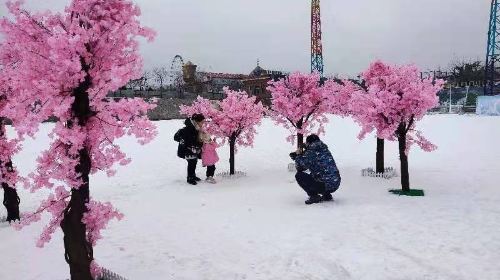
258, 227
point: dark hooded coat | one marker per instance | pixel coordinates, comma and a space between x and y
189, 142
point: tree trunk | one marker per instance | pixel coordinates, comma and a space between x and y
78, 250
11, 202
380, 167
232, 145
300, 136
300, 141
405, 176
10, 198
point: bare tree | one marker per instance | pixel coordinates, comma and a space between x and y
160, 75
466, 71
140, 83
133, 84
178, 84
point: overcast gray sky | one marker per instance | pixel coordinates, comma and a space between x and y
230, 35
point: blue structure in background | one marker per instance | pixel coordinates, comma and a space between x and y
492, 77
488, 105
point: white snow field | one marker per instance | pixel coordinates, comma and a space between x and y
258, 227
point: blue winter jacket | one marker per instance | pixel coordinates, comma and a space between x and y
318, 159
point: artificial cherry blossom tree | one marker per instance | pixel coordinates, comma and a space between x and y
80, 55
233, 119
236, 119
396, 99
301, 104
380, 150
21, 115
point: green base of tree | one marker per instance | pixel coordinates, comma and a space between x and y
412, 192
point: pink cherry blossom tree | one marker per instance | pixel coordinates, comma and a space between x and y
233, 119
237, 117
301, 104
380, 150
80, 55
396, 99
10, 111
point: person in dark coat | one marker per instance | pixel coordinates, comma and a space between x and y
324, 177
190, 145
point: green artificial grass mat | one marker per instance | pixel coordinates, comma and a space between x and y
412, 192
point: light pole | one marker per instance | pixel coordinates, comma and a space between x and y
466, 95
450, 101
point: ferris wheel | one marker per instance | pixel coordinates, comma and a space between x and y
175, 73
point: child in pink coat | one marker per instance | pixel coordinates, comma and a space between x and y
209, 156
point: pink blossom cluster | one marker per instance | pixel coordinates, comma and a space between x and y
205, 107
338, 95
236, 115
54, 204
395, 95
92, 42
301, 105
97, 218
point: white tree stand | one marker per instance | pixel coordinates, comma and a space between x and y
109, 275
389, 173
227, 175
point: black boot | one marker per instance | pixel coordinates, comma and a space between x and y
313, 199
192, 181
327, 197
196, 178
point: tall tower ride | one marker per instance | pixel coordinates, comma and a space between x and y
492, 66
316, 45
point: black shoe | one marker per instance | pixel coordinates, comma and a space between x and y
192, 181
197, 179
327, 197
313, 199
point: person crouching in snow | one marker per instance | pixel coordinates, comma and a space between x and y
324, 178
209, 155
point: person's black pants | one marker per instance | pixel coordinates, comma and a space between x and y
310, 186
210, 171
191, 170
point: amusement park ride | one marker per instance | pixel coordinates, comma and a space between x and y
492, 77
175, 73
316, 45
489, 104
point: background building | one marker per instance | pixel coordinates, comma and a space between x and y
254, 84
